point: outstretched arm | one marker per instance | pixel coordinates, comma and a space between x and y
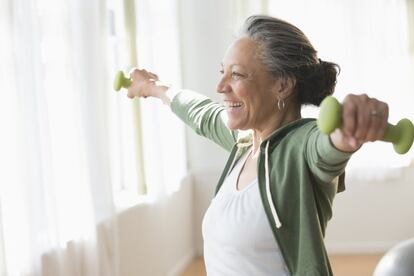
203, 115
364, 119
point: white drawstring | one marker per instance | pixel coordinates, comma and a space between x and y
269, 196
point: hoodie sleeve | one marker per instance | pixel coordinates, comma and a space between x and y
324, 160
205, 117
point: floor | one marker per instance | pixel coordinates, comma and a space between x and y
342, 265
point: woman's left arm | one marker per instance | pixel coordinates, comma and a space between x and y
364, 119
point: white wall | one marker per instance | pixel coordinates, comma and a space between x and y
206, 33
157, 239
372, 216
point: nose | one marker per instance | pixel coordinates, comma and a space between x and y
223, 86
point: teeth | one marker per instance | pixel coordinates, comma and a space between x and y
233, 104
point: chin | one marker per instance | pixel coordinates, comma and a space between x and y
236, 126
232, 125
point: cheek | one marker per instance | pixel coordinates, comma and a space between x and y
245, 93
257, 102
256, 99
261, 108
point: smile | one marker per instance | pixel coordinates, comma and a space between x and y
229, 104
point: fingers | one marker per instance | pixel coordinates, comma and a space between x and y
349, 115
131, 94
140, 89
142, 74
378, 112
153, 76
141, 79
364, 119
134, 73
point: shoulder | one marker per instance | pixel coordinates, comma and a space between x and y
302, 133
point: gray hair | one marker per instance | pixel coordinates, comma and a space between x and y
286, 52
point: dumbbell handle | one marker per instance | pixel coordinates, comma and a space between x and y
400, 135
121, 81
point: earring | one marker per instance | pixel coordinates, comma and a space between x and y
280, 104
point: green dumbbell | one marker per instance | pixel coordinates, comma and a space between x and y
121, 81
400, 135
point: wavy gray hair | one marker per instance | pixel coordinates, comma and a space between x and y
286, 52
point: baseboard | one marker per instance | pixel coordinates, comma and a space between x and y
359, 247
182, 265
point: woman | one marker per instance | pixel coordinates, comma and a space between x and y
274, 198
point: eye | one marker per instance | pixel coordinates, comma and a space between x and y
237, 75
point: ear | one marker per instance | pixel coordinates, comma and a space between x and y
284, 87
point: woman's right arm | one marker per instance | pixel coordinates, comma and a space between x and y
205, 117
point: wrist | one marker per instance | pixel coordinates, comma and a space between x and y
160, 92
339, 141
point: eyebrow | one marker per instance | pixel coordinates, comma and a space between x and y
234, 64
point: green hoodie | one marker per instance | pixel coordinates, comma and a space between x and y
299, 172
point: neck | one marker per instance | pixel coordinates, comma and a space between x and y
276, 122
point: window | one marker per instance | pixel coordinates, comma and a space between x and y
149, 157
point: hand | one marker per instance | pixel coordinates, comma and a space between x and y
364, 119
143, 83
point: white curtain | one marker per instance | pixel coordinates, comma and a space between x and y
158, 41
56, 210
369, 40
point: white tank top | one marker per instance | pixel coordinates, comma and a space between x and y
237, 236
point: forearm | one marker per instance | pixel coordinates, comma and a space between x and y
325, 159
162, 92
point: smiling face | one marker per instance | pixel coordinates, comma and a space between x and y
248, 89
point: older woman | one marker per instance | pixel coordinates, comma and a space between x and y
274, 198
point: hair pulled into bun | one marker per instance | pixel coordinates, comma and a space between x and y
287, 53
316, 81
